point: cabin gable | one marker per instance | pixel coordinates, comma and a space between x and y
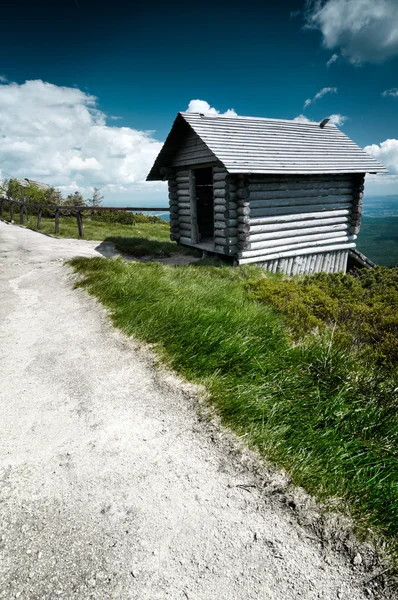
193, 151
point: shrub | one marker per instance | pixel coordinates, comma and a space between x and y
362, 309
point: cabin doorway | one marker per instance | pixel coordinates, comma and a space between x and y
205, 204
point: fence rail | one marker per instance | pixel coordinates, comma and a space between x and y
58, 209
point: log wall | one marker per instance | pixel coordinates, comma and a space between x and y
289, 224
299, 224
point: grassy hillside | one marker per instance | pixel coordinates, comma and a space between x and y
378, 239
303, 368
141, 239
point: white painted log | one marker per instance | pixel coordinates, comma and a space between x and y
185, 227
184, 179
185, 219
287, 241
289, 233
182, 173
266, 212
277, 248
292, 253
256, 229
301, 216
302, 201
220, 170
298, 210
183, 193
184, 212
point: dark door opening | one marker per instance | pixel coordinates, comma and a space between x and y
205, 203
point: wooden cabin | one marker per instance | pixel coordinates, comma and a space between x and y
283, 194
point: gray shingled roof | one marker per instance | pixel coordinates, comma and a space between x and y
254, 145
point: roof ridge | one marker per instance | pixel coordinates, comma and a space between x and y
226, 117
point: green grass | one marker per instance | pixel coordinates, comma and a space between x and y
141, 239
320, 409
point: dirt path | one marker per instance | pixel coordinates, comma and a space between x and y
110, 487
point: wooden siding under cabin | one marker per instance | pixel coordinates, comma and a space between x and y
291, 224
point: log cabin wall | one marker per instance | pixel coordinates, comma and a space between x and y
299, 224
225, 212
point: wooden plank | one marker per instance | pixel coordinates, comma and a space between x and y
79, 220
39, 214
21, 213
292, 253
57, 221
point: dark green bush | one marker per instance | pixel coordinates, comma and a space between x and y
362, 309
113, 216
124, 217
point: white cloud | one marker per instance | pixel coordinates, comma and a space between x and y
363, 30
392, 92
338, 120
320, 94
59, 136
294, 13
201, 106
332, 59
386, 153
333, 119
3, 79
304, 119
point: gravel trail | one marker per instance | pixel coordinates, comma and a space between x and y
111, 487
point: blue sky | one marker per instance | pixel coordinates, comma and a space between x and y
90, 89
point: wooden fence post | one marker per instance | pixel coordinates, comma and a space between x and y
11, 212
1, 207
79, 223
39, 212
21, 214
57, 220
